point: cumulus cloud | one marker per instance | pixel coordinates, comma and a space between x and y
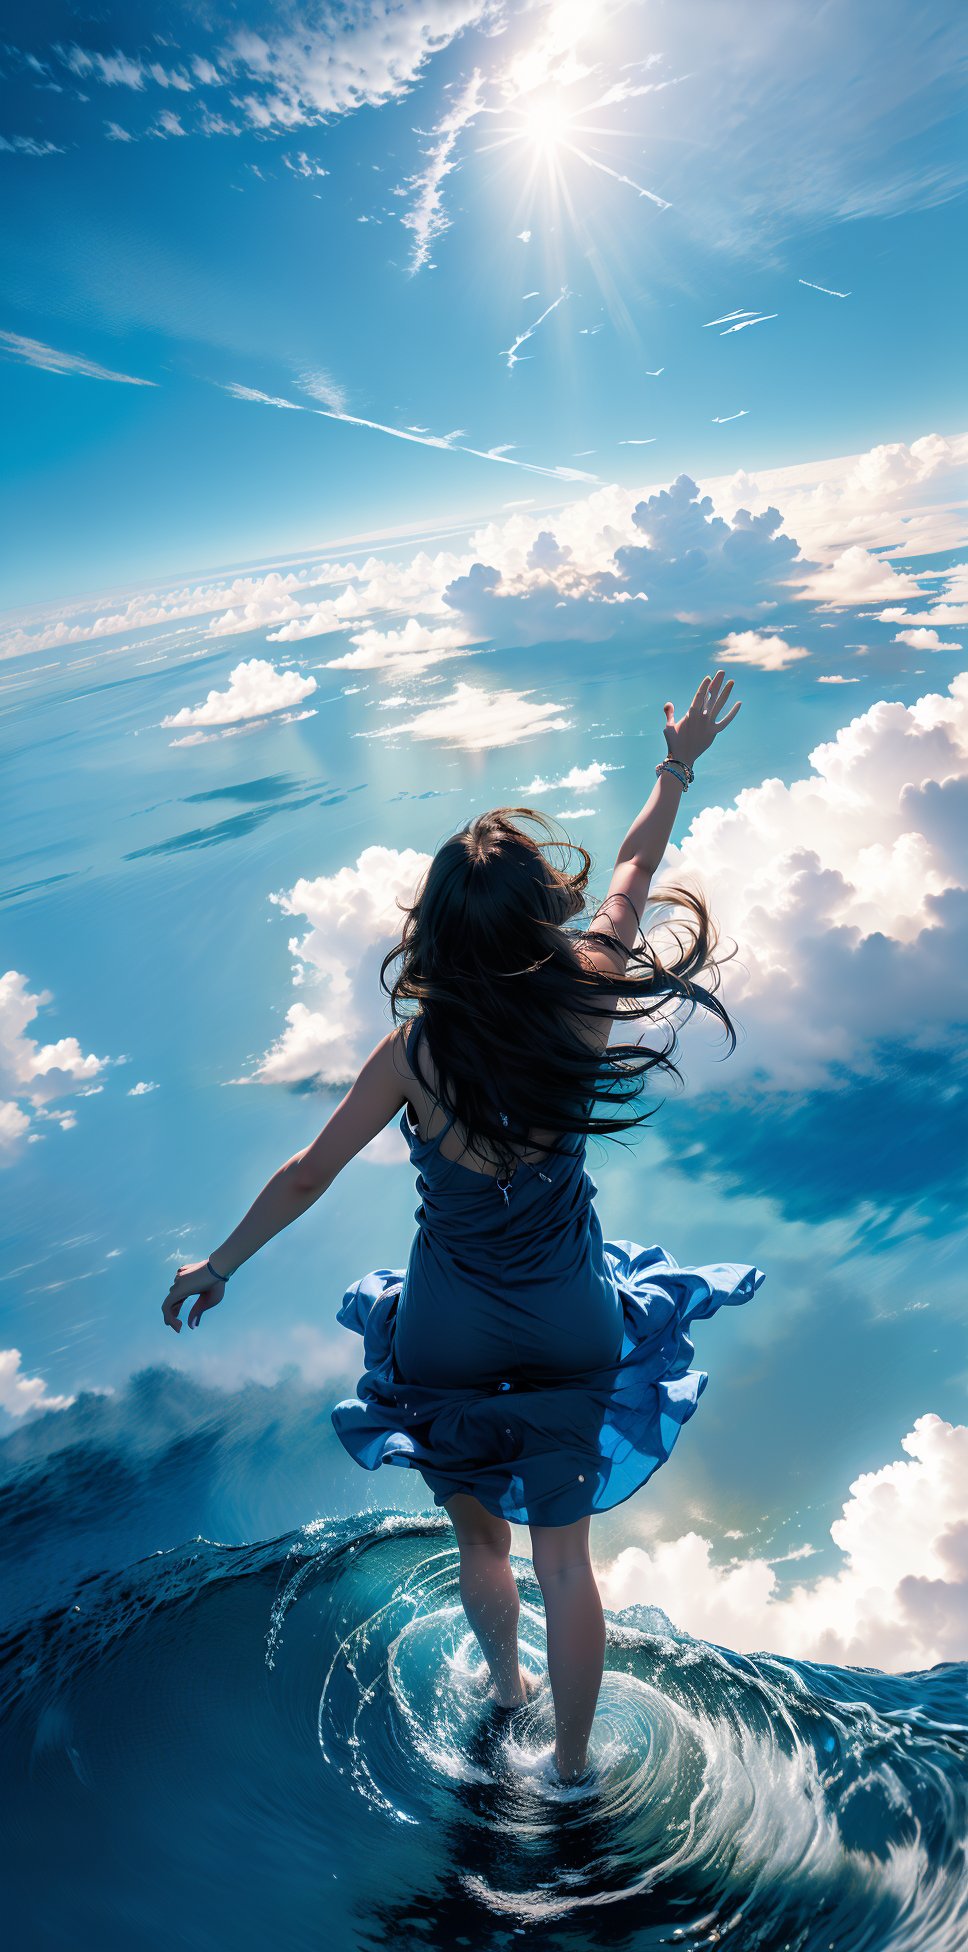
322, 619
895, 497
685, 562
353, 919
899, 1601
578, 779
847, 893
414, 648
751, 647
20, 1393
924, 640
613, 564
32, 1075
855, 576
255, 689
261, 596
275, 599
476, 720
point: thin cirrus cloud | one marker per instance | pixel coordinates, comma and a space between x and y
427, 217
32, 352
446, 441
511, 352
30, 146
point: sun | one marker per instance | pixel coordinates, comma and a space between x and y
546, 122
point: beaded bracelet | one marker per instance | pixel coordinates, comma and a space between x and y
679, 770
214, 1270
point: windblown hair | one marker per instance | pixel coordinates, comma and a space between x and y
502, 991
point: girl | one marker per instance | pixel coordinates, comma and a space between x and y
530, 1370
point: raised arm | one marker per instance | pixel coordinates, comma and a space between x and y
641, 852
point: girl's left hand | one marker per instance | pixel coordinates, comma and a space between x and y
195, 1280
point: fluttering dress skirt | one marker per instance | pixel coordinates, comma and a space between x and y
519, 1356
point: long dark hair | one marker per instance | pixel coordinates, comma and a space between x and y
486, 955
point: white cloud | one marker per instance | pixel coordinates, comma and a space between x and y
476, 720
353, 920
170, 78
205, 72
427, 218
924, 640
239, 392
255, 687
29, 146
115, 70
751, 647
412, 649
168, 124
898, 1602
320, 619
33, 1074
578, 779
20, 1393
33, 353
855, 576
262, 597
901, 498
362, 56
587, 578
138, 1090
846, 893
622, 565
321, 386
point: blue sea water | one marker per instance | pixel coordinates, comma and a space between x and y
217, 1744
218, 1728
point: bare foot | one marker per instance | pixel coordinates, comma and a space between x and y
530, 1684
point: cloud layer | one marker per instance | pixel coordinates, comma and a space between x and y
899, 1600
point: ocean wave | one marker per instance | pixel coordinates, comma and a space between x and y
294, 1738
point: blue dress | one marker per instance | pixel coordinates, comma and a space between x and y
519, 1356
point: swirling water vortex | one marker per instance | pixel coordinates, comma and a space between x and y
295, 1739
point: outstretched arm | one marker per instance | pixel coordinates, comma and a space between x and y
374, 1097
645, 843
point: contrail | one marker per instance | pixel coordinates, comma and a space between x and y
454, 447
826, 288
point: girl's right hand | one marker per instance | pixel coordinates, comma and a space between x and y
693, 734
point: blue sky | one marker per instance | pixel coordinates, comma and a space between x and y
401, 403
202, 206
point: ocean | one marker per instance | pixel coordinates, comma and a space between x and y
287, 1740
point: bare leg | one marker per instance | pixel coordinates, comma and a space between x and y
576, 1636
489, 1593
